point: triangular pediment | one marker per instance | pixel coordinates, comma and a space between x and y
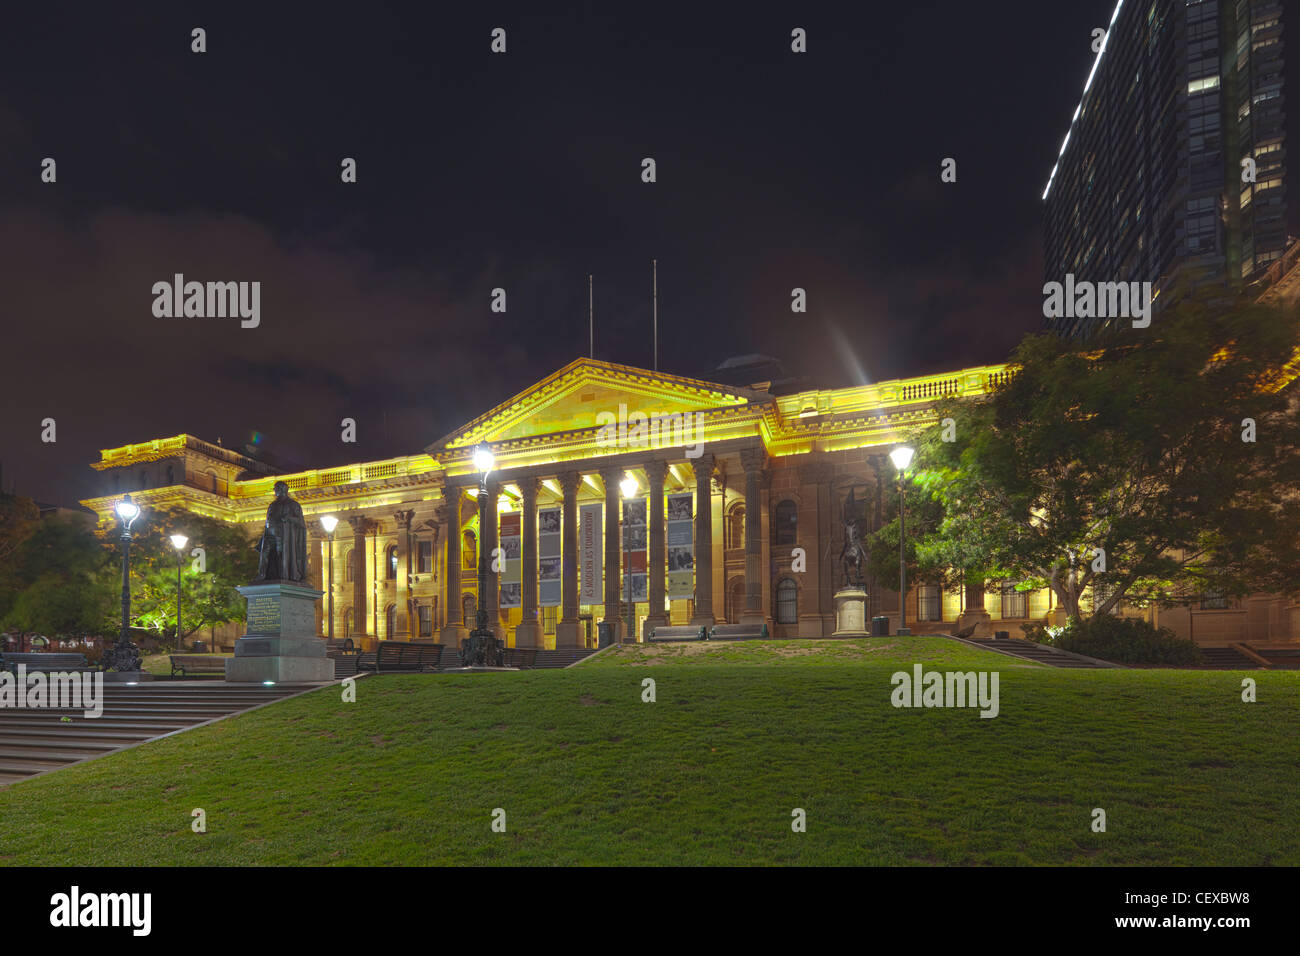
573, 399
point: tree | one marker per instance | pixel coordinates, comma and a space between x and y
208, 581
61, 582
1149, 464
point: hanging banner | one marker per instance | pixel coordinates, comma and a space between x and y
634, 548
590, 538
681, 546
512, 574
548, 560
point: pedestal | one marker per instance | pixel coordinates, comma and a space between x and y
851, 613
280, 644
528, 635
979, 619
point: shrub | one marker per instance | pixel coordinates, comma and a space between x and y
1128, 641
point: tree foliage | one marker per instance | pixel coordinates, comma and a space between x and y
1131, 445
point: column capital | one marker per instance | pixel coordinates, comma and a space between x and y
703, 466
403, 519
363, 525
753, 459
612, 474
570, 482
656, 469
528, 489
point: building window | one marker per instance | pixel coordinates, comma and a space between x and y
469, 607
390, 621
785, 523
549, 617
736, 527
929, 603
1214, 601
787, 602
347, 622
390, 562
1014, 603
469, 550
350, 565
212, 475
426, 620
424, 552
144, 479
171, 475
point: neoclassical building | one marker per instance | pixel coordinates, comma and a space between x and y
706, 503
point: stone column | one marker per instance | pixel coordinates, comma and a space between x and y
402, 592
455, 630
316, 545
529, 631
361, 526
656, 529
489, 541
614, 610
753, 460
703, 467
568, 629
816, 527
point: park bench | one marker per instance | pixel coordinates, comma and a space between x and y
521, 657
38, 661
738, 632
187, 665
395, 656
683, 632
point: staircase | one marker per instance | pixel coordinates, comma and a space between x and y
1282, 658
1226, 659
1042, 653
38, 740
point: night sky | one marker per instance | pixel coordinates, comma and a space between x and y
521, 170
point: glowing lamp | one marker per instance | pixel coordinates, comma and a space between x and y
484, 459
329, 523
902, 457
179, 541
629, 486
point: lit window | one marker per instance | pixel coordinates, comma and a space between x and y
1200, 86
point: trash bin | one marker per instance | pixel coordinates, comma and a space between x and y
199, 647
604, 634
880, 626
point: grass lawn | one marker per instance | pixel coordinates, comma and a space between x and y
740, 735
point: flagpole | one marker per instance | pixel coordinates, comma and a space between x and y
654, 263
591, 322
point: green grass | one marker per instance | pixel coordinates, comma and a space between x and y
740, 735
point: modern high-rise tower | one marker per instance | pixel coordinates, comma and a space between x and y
1149, 184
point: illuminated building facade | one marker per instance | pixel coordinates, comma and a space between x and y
1149, 184
736, 515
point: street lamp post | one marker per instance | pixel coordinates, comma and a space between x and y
629, 487
483, 645
902, 457
329, 523
179, 541
124, 656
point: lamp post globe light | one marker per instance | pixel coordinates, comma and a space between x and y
902, 458
482, 647
179, 541
124, 657
629, 487
329, 523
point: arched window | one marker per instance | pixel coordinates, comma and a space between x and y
347, 622
350, 564
390, 621
469, 550
736, 526
391, 562
787, 601
785, 523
